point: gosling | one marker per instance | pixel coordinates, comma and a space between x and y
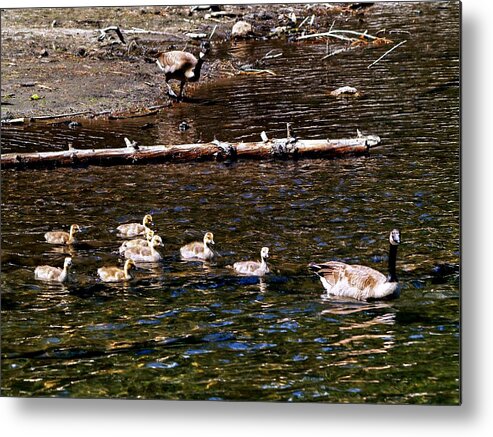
53, 274
199, 250
254, 268
145, 254
62, 237
135, 229
137, 242
115, 274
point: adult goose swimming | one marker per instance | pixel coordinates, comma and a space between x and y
199, 250
115, 274
135, 229
360, 282
54, 274
62, 237
254, 268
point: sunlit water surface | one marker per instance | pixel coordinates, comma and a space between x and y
187, 330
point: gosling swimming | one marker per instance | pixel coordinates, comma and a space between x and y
53, 274
254, 268
115, 274
135, 229
199, 250
360, 282
62, 237
137, 242
146, 254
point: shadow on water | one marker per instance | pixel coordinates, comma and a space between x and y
188, 330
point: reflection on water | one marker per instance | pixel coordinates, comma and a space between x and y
193, 330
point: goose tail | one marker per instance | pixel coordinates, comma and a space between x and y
314, 267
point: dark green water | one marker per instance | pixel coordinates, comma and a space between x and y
192, 331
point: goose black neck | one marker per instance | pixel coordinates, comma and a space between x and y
198, 67
392, 262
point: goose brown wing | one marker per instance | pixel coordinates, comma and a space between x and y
357, 276
363, 277
177, 60
331, 271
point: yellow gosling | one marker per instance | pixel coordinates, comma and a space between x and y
53, 274
145, 254
115, 274
254, 268
199, 250
135, 229
137, 242
62, 237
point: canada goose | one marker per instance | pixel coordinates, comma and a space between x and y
135, 229
199, 250
137, 242
254, 268
145, 254
182, 66
114, 274
62, 237
55, 274
360, 282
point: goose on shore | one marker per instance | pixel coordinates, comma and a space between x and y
199, 250
145, 254
53, 274
137, 242
115, 274
254, 268
182, 66
360, 282
62, 237
135, 229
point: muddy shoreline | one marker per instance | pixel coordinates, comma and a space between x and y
54, 61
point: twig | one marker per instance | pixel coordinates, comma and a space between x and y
353, 32
386, 53
335, 52
327, 34
255, 71
269, 56
212, 33
137, 30
304, 21
50, 117
400, 31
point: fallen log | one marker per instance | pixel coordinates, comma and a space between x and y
287, 148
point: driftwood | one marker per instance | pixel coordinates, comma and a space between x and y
133, 154
106, 30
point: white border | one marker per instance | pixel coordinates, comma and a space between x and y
74, 418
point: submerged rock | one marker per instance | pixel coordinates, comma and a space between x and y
346, 91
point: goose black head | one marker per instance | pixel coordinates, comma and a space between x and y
205, 47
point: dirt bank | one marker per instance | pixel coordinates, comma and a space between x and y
53, 61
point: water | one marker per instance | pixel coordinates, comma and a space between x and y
190, 331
